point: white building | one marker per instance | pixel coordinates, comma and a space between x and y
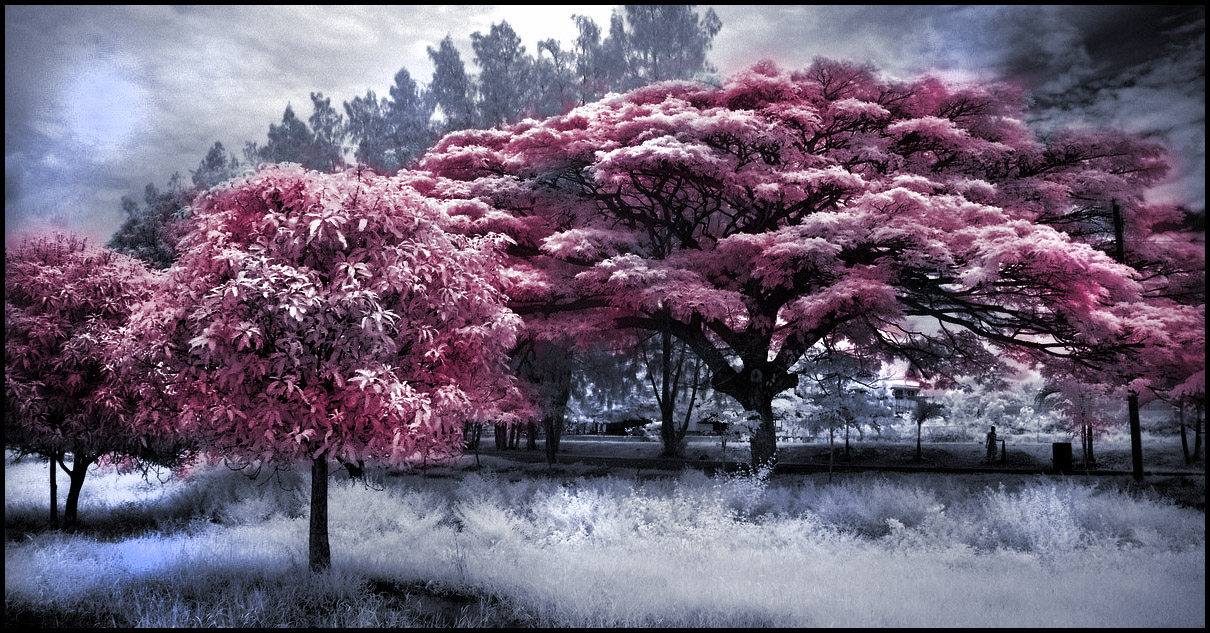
905, 386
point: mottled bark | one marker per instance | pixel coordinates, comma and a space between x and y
764, 438
553, 427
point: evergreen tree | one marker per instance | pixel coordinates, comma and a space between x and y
668, 41
504, 76
151, 232
327, 125
649, 43
217, 166
290, 142
366, 126
553, 90
408, 114
391, 133
451, 88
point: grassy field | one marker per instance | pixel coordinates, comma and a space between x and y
517, 544
1024, 452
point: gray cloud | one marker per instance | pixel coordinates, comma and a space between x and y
1136, 67
190, 76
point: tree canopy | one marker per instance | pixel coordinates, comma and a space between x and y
913, 218
65, 302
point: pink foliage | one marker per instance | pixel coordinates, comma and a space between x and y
334, 314
785, 206
64, 303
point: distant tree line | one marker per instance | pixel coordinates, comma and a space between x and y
642, 44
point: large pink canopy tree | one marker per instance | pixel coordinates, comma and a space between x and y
65, 301
915, 219
324, 317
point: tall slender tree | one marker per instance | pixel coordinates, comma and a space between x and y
216, 167
552, 88
291, 141
408, 122
367, 127
668, 41
451, 88
327, 125
505, 70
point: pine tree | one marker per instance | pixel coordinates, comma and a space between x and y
327, 125
504, 76
450, 88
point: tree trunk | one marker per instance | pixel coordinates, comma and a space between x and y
764, 438
668, 437
54, 491
847, 455
1198, 411
1136, 437
918, 429
680, 434
531, 436
320, 552
556, 418
1092, 456
667, 391
666, 396
79, 469
553, 426
1180, 417
470, 435
1132, 401
831, 451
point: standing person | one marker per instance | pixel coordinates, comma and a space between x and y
991, 444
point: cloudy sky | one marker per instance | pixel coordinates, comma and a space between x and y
100, 101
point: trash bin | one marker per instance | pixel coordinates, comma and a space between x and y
1062, 457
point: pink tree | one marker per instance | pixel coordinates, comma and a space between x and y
752, 220
1107, 211
1085, 409
1164, 345
64, 302
325, 317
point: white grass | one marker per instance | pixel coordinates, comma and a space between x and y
686, 550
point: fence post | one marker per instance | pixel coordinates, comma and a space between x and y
1061, 452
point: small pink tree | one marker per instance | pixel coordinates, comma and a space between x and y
325, 317
1087, 410
64, 302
